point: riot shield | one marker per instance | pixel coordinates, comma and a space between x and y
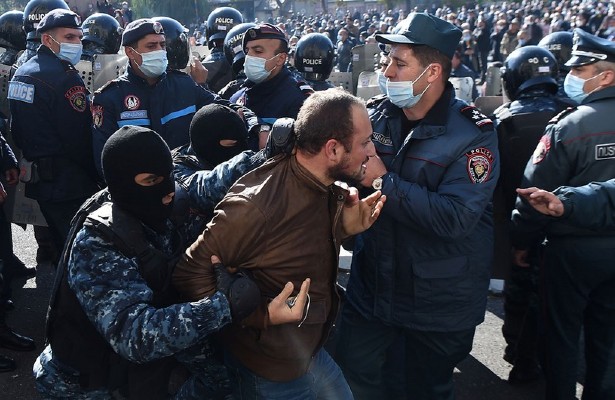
463, 87
367, 86
102, 69
494, 81
341, 79
363, 59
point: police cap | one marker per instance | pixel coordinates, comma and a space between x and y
263, 31
59, 18
589, 49
140, 28
425, 29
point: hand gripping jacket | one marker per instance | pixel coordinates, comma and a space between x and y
73, 338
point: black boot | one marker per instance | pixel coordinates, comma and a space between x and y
14, 341
7, 364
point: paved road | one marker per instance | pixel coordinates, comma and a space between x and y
482, 376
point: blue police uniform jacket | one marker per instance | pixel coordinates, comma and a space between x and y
51, 124
425, 263
590, 206
278, 97
166, 107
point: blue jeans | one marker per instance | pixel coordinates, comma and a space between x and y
323, 381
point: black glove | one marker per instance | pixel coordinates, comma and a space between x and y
240, 290
281, 138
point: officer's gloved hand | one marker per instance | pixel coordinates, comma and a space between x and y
240, 290
281, 137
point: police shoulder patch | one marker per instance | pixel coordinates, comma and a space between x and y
479, 164
97, 115
479, 119
76, 96
542, 149
561, 115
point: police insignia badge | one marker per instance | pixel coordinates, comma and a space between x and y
157, 26
97, 116
132, 102
479, 164
77, 98
541, 149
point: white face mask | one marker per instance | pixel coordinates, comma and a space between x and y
382, 82
573, 86
153, 63
70, 52
255, 70
402, 93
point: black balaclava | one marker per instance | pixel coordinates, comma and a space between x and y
211, 124
130, 151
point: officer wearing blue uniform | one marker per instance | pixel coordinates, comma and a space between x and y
529, 77
148, 94
579, 278
422, 270
51, 123
270, 91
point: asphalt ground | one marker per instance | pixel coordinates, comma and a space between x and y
481, 376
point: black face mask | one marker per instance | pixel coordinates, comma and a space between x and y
131, 151
209, 126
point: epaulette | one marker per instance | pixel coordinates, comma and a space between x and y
561, 115
106, 86
375, 100
479, 119
305, 87
68, 66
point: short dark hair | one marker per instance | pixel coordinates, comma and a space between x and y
282, 48
326, 115
427, 55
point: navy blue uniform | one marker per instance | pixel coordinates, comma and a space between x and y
167, 107
51, 123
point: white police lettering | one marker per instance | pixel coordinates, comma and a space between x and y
35, 17
224, 20
312, 61
21, 91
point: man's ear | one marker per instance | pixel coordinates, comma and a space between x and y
333, 150
281, 60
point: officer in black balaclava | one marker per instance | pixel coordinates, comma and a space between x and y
217, 134
142, 186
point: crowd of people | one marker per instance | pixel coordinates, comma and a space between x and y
196, 207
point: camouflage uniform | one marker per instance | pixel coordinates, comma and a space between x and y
118, 300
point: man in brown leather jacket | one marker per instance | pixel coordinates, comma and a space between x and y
284, 222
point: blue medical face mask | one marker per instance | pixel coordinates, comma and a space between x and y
70, 52
254, 68
154, 63
382, 82
573, 86
402, 93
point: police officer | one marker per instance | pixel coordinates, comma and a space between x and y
33, 13
314, 60
529, 80
576, 149
50, 122
219, 23
102, 34
460, 70
8, 338
233, 50
149, 94
113, 306
560, 45
12, 37
270, 91
422, 270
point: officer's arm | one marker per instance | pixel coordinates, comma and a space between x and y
118, 302
591, 206
206, 188
104, 124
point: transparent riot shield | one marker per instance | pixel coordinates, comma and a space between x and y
493, 81
367, 86
363, 59
341, 79
463, 87
102, 69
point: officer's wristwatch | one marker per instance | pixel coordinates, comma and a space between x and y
377, 183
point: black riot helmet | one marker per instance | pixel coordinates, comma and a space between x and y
314, 56
560, 45
35, 11
102, 34
529, 67
12, 36
220, 22
233, 48
178, 46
